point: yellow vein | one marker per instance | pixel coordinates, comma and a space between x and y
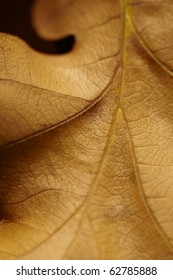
146, 48
117, 106
93, 186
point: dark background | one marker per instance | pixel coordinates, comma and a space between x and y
15, 19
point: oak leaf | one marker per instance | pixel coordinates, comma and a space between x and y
86, 139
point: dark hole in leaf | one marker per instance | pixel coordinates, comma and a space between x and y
15, 20
65, 45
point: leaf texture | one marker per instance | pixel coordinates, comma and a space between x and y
86, 138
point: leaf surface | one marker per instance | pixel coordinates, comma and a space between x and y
97, 182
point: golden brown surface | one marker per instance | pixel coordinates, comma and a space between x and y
86, 157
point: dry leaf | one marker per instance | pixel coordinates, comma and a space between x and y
87, 138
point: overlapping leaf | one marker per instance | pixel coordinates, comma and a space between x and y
97, 183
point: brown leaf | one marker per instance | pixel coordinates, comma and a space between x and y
97, 182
